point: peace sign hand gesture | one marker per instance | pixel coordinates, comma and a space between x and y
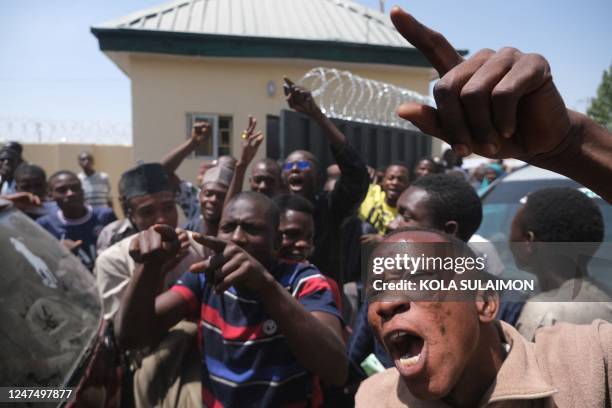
251, 141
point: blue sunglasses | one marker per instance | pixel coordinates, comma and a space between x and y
300, 164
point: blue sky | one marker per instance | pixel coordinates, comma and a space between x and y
50, 65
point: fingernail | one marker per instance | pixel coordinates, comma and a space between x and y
462, 150
491, 149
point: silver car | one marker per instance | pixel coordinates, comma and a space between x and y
503, 198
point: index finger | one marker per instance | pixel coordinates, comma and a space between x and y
288, 81
216, 244
432, 44
252, 124
167, 232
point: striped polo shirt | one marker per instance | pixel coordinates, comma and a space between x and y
246, 361
96, 188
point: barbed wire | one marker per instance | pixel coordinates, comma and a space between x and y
343, 95
32, 130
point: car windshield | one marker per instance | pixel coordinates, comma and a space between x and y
49, 305
501, 203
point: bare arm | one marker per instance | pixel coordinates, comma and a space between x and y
23, 200
504, 104
144, 317
586, 156
199, 133
251, 141
321, 350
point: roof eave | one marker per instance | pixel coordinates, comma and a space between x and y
215, 45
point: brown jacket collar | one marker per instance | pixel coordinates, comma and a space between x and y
519, 376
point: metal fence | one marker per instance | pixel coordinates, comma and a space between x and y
378, 145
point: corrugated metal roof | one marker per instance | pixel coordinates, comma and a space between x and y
316, 20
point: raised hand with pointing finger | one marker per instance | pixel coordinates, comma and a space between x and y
241, 282
333, 208
504, 104
300, 99
230, 266
160, 244
496, 104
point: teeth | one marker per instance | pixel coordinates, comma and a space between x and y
408, 361
397, 335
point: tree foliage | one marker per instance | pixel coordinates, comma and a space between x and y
601, 106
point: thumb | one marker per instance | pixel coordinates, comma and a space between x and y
424, 117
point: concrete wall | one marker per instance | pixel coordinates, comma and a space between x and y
166, 88
113, 160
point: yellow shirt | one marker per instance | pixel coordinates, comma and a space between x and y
375, 210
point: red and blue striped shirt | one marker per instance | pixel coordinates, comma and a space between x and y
246, 361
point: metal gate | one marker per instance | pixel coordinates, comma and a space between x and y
378, 145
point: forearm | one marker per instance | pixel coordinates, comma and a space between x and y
173, 160
136, 324
333, 134
316, 346
585, 157
235, 186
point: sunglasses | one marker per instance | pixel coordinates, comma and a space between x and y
300, 164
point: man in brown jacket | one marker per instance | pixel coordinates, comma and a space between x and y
456, 354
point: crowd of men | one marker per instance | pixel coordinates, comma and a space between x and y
265, 285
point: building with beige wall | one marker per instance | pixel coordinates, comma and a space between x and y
226, 59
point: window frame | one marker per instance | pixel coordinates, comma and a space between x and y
213, 118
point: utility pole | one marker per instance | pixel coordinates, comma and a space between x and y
382, 5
